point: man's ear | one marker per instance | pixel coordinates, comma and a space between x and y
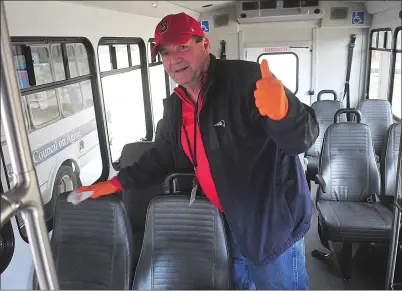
207, 44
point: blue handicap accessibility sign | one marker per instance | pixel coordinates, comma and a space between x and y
358, 17
205, 25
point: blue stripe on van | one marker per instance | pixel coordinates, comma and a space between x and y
55, 146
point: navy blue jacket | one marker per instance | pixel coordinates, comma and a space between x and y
253, 159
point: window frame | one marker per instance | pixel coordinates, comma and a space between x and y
297, 65
97, 101
144, 72
375, 48
394, 53
156, 62
24, 43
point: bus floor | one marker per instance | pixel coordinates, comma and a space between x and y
369, 263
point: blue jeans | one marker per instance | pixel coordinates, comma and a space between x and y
288, 271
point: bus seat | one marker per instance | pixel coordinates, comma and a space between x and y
184, 247
377, 114
92, 244
325, 111
348, 182
389, 164
158, 127
137, 201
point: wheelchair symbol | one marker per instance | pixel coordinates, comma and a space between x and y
358, 18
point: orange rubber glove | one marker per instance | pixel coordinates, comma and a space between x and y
100, 189
270, 97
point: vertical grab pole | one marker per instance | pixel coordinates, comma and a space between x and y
396, 225
25, 197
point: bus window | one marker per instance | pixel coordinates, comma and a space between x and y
57, 60
395, 84
60, 116
41, 64
70, 99
285, 66
379, 56
43, 107
125, 91
159, 82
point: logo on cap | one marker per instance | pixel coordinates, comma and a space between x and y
164, 27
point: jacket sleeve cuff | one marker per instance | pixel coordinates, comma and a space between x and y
116, 183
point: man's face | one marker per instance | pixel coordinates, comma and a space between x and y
185, 63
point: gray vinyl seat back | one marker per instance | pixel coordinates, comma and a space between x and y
325, 111
92, 244
347, 164
377, 114
389, 160
135, 200
184, 247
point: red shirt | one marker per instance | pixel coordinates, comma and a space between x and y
203, 172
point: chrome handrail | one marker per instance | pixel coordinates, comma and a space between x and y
25, 197
396, 225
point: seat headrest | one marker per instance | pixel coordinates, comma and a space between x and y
133, 151
377, 114
184, 247
389, 160
92, 244
324, 111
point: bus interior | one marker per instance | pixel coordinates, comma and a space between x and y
82, 98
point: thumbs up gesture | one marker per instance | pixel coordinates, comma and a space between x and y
270, 97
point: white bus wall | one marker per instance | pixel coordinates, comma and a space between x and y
57, 18
329, 40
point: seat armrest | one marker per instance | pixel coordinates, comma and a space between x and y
321, 182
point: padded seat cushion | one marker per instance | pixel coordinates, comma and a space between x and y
355, 221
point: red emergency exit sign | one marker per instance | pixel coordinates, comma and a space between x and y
276, 49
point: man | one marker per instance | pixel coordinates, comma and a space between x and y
241, 131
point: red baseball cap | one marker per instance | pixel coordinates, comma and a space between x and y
175, 29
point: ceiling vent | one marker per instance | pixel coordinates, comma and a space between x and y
339, 13
221, 20
277, 10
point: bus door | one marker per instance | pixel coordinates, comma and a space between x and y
289, 63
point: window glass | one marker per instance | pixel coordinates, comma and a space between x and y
82, 59
374, 39
58, 62
284, 67
104, 58
70, 99
72, 65
380, 65
21, 68
375, 74
124, 100
43, 107
135, 55
158, 91
41, 64
87, 95
121, 56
